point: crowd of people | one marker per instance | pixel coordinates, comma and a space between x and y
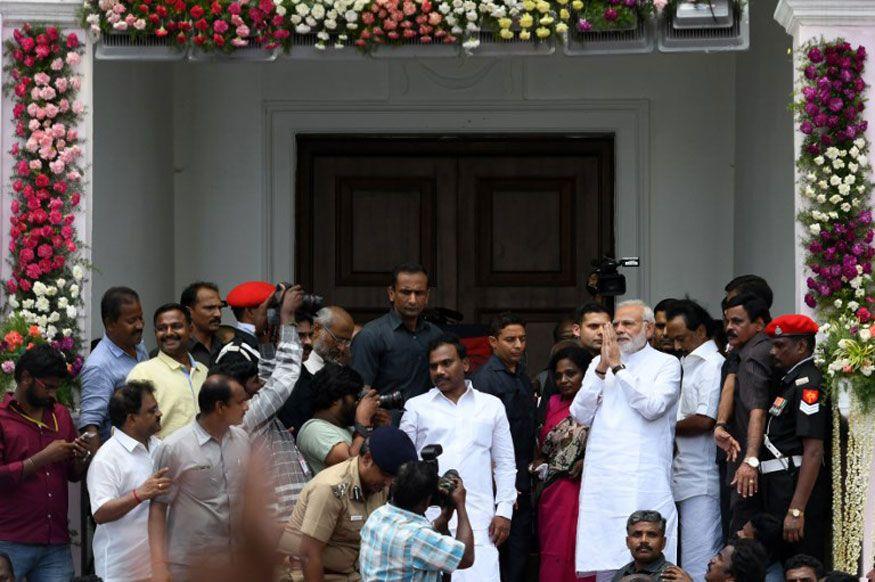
656, 444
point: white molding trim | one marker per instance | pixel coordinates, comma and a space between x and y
628, 120
793, 14
64, 12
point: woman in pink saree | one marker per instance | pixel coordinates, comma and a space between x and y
558, 464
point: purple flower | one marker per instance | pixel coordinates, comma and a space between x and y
836, 104
861, 53
814, 55
611, 15
832, 121
846, 75
631, 3
810, 93
858, 249
584, 25
810, 72
8, 366
811, 109
812, 284
815, 247
866, 217
806, 128
830, 253
809, 300
823, 289
821, 119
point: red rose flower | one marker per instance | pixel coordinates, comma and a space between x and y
196, 12
72, 41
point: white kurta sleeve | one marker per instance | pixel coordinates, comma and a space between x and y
408, 425
586, 401
708, 390
651, 399
504, 462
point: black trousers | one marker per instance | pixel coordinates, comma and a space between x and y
777, 491
514, 553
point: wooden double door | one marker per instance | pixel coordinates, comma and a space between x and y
501, 223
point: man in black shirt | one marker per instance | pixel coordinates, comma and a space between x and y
795, 480
204, 304
645, 538
504, 376
390, 352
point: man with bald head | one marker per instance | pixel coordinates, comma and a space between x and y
629, 400
332, 334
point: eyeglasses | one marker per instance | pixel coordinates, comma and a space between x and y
342, 341
43, 385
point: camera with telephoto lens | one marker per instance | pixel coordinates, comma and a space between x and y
391, 401
442, 495
310, 303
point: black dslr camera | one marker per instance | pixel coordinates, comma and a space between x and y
391, 401
442, 495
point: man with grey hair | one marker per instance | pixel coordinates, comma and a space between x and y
645, 538
629, 400
332, 335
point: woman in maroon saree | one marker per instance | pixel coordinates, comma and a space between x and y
558, 465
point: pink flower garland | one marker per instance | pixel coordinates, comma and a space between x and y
47, 183
835, 179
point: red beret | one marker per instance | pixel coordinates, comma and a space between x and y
250, 294
791, 325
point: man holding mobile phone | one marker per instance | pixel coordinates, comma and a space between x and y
39, 454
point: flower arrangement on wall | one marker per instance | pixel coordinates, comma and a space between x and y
223, 25
44, 293
834, 180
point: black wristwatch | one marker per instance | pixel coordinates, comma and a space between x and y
617, 368
363, 430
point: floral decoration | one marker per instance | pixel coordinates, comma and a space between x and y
834, 181
44, 292
227, 25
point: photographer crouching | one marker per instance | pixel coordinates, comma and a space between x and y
398, 542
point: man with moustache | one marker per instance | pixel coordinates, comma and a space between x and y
741, 416
794, 469
659, 340
332, 336
175, 374
473, 430
109, 364
504, 376
191, 520
39, 455
204, 305
740, 560
121, 480
629, 400
695, 478
645, 538
390, 352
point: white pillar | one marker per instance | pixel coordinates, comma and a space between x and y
63, 14
854, 21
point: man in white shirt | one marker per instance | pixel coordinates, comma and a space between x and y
473, 430
120, 480
695, 479
629, 400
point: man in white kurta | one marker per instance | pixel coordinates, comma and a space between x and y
473, 429
629, 400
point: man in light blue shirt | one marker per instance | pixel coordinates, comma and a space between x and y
399, 544
108, 365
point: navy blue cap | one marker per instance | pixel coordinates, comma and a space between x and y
390, 448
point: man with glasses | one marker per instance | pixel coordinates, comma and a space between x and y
39, 455
332, 335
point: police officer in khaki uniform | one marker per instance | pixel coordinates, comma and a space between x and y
793, 460
322, 536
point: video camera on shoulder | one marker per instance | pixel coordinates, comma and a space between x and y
391, 401
442, 495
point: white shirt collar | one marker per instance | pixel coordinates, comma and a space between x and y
704, 350
247, 327
129, 442
314, 362
469, 389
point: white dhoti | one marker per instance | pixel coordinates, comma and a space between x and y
701, 534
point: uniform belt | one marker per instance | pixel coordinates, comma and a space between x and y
774, 465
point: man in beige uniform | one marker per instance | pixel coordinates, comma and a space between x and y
323, 532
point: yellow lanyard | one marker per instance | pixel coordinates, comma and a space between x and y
39, 423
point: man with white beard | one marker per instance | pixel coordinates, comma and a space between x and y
629, 400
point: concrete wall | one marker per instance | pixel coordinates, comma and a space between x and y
720, 155
764, 219
133, 233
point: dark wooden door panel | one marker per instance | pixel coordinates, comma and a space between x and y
501, 224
